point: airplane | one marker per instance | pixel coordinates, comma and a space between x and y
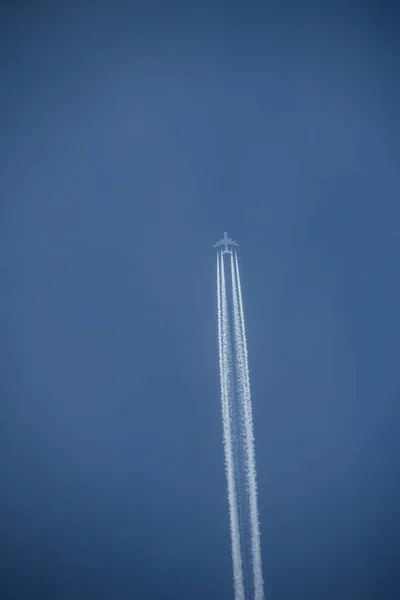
226, 242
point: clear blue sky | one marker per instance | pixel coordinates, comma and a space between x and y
131, 137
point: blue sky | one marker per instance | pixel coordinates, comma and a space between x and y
131, 138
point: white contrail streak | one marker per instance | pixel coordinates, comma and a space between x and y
243, 380
224, 347
238, 435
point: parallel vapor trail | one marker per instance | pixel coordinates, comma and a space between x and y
225, 375
244, 480
238, 435
250, 453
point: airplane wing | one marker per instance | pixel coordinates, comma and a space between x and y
226, 242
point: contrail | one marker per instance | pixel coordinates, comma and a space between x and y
244, 378
238, 434
225, 367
